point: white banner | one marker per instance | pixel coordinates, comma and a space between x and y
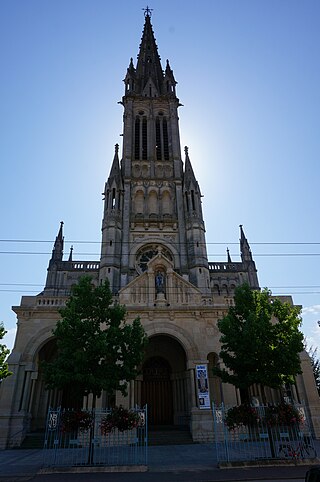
203, 386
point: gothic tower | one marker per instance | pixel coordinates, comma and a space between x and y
152, 199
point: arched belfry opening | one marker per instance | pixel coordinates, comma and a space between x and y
163, 383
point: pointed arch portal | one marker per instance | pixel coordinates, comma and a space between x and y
163, 384
157, 391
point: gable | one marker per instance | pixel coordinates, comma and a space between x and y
160, 286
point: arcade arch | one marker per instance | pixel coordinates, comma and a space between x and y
164, 383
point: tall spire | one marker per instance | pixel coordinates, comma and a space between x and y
247, 259
149, 71
57, 252
115, 168
246, 254
189, 177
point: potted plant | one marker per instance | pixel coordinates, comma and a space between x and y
119, 418
75, 421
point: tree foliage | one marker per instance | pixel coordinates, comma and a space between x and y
260, 340
97, 349
4, 352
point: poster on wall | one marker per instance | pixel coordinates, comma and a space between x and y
203, 386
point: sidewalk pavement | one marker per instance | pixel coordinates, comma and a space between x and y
183, 463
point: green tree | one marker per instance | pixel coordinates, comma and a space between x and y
97, 349
260, 341
4, 352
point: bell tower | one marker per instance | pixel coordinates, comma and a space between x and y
152, 199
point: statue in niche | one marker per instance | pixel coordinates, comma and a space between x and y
160, 282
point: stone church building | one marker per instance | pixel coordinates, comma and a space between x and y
153, 252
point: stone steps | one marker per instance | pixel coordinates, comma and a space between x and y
169, 436
33, 440
156, 436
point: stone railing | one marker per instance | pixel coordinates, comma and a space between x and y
85, 265
225, 267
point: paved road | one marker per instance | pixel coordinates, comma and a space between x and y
178, 463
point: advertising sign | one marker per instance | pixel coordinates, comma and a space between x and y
203, 386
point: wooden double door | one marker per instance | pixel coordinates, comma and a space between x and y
157, 391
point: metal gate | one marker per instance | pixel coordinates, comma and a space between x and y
260, 440
87, 438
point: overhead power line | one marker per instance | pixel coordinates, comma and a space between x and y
271, 287
222, 243
273, 293
208, 254
5, 287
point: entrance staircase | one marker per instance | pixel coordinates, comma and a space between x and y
168, 435
33, 440
159, 435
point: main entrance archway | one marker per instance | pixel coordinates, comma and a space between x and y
157, 391
163, 385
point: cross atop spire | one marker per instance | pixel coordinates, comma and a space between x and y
147, 11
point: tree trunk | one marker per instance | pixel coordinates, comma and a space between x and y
270, 435
91, 437
244, 395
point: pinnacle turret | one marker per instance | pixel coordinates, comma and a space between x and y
70, 254
247, 260
190, 181
57, 252
115, 173
246, 254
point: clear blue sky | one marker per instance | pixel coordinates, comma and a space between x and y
248, 76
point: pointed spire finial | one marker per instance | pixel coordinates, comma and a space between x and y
186, 150
70, 254
57, 251
60, 229
147, 11
116, 148
246, 254
228, 256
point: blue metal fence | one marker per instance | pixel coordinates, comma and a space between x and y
262, 441
84, 442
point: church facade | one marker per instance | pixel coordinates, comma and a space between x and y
153, 252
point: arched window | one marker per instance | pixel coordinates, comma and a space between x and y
187, 201
144, 139
162, 140
137, 138
158, 139
113, 199
140, 138
165, 140
193, 201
